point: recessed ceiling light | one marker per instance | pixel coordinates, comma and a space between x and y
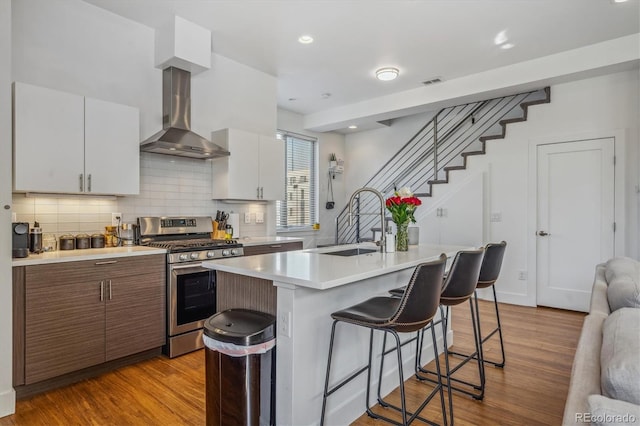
507, 46
387, 74
305, 39
353, 126
293, 99
619, 1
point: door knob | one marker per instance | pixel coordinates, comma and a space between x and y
543, 234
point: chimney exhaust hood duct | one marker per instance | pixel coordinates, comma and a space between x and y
176, 137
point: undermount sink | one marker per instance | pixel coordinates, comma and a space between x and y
352, 252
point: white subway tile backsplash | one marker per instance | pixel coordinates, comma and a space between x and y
169, 186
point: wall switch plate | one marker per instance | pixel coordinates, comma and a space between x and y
496, 217
522, 275
259, 217
116, 219
247, 217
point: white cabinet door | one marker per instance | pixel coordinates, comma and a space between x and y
272, 164
112, 148
48, 152
236, 176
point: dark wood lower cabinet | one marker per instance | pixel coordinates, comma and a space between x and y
74, 315
272, 248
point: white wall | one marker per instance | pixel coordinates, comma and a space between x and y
327, 143
602, 105
76, 47
7, 395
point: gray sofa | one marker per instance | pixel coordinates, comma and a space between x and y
605, 378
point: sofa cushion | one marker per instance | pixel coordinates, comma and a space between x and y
620, 359
585, 373
623, 280
609, 412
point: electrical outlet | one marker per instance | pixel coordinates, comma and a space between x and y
496, 217
284, 324
522, 275
116, 219
259, 217
247, 217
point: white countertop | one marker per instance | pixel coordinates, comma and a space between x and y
85, 254
260, 241
313, 269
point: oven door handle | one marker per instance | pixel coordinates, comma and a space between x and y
191, 265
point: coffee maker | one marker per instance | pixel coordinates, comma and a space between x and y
20, 238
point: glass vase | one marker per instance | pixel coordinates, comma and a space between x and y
402, 236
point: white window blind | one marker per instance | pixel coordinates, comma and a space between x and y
298, 209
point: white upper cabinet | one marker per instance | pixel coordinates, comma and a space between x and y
112, 148
253, 171
48, 140
65, 143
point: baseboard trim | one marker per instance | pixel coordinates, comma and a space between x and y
7, 402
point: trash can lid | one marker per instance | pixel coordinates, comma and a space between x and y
241, 327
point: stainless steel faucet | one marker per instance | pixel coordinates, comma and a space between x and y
381, 243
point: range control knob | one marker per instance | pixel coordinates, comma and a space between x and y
184, 257
226, 252
234, 252
211, 254
194, 256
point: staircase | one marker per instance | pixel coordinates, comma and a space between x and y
442, 145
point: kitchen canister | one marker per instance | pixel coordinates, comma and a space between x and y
97, 241
83, 241
67, 242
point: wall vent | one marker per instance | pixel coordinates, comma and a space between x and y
432, 81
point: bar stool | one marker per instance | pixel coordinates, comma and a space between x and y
489, 272
459, 285
410, 313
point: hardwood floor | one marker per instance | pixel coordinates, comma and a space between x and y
531, 389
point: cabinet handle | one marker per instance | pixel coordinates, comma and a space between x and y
258, 192
89, 182
261, 192
81, 182
106, 262
109, 289
102, 290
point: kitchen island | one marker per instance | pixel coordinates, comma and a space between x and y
311, 284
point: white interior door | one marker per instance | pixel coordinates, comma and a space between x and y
575, 218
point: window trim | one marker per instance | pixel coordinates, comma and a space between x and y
314, 208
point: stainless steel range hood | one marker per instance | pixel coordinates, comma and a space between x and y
176, 137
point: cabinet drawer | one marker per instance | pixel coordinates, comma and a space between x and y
272, 248
104, 268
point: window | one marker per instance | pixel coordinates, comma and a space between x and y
300, 207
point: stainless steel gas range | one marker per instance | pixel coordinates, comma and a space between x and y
191, 288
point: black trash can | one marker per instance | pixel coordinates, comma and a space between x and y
240, 368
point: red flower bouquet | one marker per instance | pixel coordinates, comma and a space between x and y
402, 206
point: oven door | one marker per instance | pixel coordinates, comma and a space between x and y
192, 297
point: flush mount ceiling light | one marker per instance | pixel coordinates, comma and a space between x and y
618, 1
305, 39
387, 74
507, 46
353, 126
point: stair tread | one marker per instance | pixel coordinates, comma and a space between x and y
465, 154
